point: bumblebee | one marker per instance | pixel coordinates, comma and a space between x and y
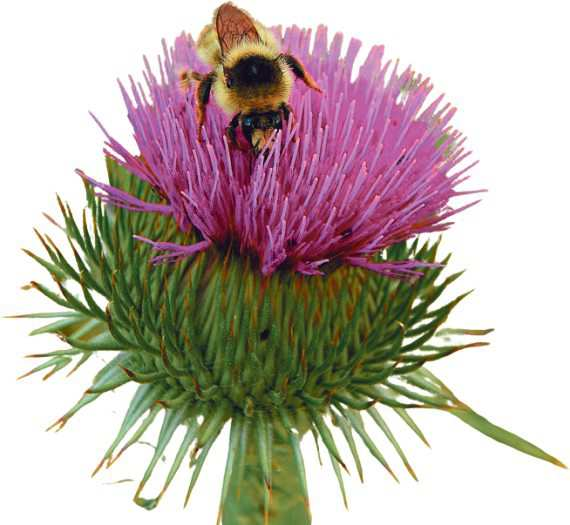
251, 78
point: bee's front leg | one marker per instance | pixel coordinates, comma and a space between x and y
300, 72
231, 131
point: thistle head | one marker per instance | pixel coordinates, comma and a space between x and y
371, 162
281, 310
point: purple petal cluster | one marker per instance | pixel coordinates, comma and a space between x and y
369, 163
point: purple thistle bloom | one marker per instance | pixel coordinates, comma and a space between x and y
365, 165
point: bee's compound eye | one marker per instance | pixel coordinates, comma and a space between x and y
276, 121
229, 82
247, 122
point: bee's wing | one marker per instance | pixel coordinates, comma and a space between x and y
233, 26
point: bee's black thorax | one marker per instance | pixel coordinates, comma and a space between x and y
253, 71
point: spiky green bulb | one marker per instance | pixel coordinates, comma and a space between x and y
210, 341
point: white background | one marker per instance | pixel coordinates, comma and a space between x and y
505, 65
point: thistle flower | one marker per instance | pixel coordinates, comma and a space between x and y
363, 167
279, 313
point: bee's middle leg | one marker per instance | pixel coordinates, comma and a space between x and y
203, 89
287, 112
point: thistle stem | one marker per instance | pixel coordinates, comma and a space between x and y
252, 499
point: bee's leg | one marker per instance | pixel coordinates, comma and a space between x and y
203, 90
287, 114
198, 77
299, 71
186, 76
185, 79
231, 130
287, 110
231, 135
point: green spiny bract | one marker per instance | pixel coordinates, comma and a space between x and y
210, 341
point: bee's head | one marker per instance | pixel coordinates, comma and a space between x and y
252, 72
259, 127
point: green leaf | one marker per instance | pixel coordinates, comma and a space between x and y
144, 398
138, 434
355, 420
180, 455
198, 467
471, 418
379, 420
412, 424
463, 331
56, 363
44, 315
212, 425
58, 273
233, 453
102, 342
110, 372
338, 474
431, 398
346, 430
326, 436
295, 443
172, 420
